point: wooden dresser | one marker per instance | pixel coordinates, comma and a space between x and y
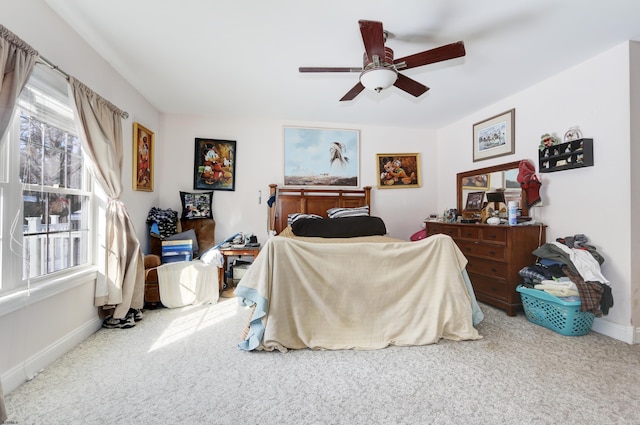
496, 253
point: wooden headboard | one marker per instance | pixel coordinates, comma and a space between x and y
312, 201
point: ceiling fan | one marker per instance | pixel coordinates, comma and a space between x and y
380, 71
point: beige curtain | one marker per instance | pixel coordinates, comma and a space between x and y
17, 60
101, 130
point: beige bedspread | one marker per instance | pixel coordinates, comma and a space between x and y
356, 296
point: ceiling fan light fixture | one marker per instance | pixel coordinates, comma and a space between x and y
378, 79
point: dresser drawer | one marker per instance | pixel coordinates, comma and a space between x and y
496, 252
449, 230
433, 229
487, 268
495, 288
469, 232
494, 234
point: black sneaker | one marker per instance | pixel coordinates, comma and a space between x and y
137, 314
113, 323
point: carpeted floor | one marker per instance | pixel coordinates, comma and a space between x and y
182, 366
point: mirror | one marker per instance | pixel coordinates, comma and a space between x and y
498, 178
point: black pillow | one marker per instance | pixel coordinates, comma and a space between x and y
345, 227
196, 205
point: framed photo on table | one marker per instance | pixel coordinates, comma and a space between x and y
494, 136
474, 201
143, 152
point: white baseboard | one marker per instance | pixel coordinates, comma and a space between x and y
627, 334
20, 374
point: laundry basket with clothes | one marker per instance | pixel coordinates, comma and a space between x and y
569, 268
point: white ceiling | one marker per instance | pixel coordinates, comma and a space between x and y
241, 58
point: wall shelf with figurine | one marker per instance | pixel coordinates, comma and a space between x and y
566, 156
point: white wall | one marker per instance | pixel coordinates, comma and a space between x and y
44, 327
595, 201
259, 162
634, 159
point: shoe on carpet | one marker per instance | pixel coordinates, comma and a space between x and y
113, 323
137, 314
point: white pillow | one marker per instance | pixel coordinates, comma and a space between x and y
348, 212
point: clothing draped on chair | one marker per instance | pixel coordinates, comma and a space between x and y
17, 60
101, 131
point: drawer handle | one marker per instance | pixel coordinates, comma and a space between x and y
494, 270
492, 236
492, 253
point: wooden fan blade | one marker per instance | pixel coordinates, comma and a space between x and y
439, 54
351, 94
373, 38
409, 85
328, 69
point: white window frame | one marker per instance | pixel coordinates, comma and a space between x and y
17, 292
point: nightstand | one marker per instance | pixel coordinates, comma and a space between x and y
234, 252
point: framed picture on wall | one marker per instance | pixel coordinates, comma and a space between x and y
214, 165
143, 152
494, 136
398, 170
321, 157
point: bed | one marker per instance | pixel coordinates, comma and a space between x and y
357, 292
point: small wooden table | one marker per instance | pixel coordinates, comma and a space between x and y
234, 252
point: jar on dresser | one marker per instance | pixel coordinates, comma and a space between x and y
495, 254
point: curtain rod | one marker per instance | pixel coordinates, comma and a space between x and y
45, 61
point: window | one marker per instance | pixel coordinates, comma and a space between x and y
52, 174
47, 187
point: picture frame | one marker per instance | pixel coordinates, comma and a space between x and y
494, 136
474, 201
214, 164
451, 215
398, 170
143, 153
321, 157
477, 182
511, 179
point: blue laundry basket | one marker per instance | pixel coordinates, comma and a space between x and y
553, 313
